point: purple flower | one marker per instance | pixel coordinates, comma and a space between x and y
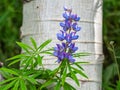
70, 58
66, 15
70, 37
66, 25
75, 27
75, 17
72, 48
61, 36
68, 34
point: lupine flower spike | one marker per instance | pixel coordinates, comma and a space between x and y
67, 35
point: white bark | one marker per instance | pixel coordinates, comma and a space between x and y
41, 21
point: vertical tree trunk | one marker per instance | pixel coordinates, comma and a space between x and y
41, 21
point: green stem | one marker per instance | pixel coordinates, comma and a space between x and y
55, 72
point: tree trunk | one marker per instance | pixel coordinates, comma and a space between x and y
41, 21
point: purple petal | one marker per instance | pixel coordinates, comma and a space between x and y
55, 54
75, 37
62, 24
56, 49
65, 28
78, 28
71, 59
58, 60
64, 45
65, 8
65, 15
60, 37
75, 49
77, 19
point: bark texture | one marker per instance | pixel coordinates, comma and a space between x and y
41, 21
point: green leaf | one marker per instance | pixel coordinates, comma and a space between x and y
32, 87
26, 47
39, 59
68, 85
13, 62
73, 76
81, 54
28, 62
16, 57
79, 66
22, 85
33, 43
48, 51
54, 71
80, 72
9, 85
5, 74
64, 75
44, 44
10, 71
80, 63
6, 81
30, 79
46, 84
57, 87
16, 85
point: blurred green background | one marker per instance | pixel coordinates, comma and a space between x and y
11, 21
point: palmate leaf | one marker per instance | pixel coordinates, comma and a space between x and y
44, 44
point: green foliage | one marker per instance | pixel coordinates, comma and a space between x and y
111, 31
33, 76
112, 71
10, 23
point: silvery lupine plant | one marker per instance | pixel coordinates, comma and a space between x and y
67, 34
66, 52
